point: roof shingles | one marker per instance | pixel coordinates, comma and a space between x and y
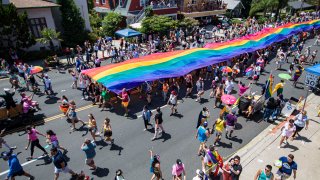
25, 4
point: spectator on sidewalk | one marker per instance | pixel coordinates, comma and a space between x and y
301, 121
287, 167
264, 174
236, 168
287, 132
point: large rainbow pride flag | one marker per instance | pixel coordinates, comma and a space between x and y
131, 73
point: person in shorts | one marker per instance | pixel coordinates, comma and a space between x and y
124, 96
173, 101
219, 126
178, 170
288, 166
231, 120
60, 164
89, 148
15, 168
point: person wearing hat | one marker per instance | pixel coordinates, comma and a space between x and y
199, 175
202, 135
177, 171
231, 120
155, 168
8, 98
173, 101
15, 168
119, 175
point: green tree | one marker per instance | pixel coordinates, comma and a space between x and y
262, 6
14, 28
188, 22
73, 24
157, 24
90, 5
48, 36
247, 6
148, 11
95, 23
111, 23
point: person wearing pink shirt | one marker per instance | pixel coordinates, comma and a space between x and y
34, 141
177, 171
243, 88
27, 103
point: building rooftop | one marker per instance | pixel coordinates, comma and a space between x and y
26, 4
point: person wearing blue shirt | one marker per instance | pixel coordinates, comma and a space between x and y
15, 168
288, 166
89, 148
202, 136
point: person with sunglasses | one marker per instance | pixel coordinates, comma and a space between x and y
264, 174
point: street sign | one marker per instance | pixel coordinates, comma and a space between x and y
311, 80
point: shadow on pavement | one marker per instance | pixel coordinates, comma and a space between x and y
101, 172
115, 147
292, 147
236, 139
224, 145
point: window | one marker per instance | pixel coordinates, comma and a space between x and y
103, 1
193, 1
37, 25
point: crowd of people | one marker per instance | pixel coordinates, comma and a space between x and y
218, 76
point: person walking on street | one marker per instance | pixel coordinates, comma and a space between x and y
264, 174
173, 101
72, 115
236, 169
287, 167
189, 84
155, 168
158, 124
301, 121
200, 89
124, 96
15, 168
92, 127
53, 140
219, 126
178, 170
105, 99
60, 164
218, 94
203, 116
107, 131
34, 141
89, 148
231, 120
146, 115
202, 135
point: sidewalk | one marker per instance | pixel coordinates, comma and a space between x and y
263, 150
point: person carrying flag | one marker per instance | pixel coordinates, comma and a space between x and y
212, 161
279, 88
268, 87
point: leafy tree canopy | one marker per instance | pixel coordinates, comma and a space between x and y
157, 24
111, 23
14, 28
73, 24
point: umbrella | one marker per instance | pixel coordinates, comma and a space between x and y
36, 69
284, 76
249, 69
228, 99
226, 69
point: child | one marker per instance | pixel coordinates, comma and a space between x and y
53, 140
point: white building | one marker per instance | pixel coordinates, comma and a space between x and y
39, 17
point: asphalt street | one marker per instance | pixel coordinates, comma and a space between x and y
130, 152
